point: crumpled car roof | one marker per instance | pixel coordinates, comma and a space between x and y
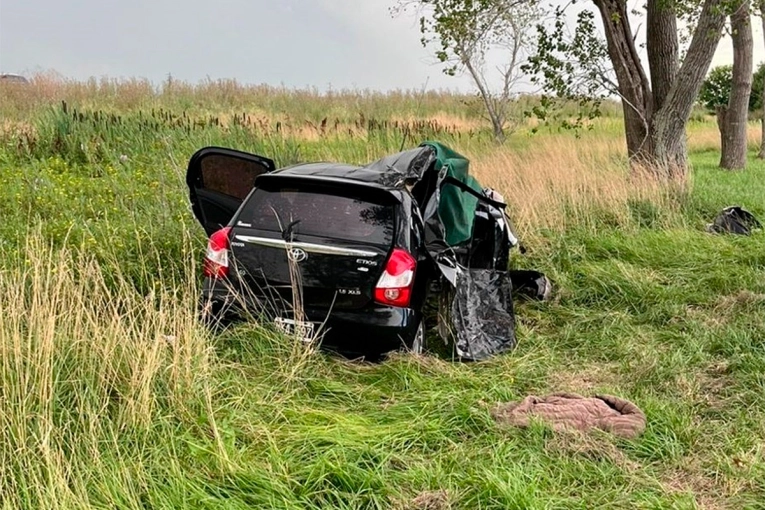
393, 171
454, 208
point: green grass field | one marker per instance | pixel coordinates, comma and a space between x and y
112, 396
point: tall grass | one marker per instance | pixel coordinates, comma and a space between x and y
561, 182
87, 367
113, 396
229, 96
217, 96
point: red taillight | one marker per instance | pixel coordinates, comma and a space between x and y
216, 257
395, 285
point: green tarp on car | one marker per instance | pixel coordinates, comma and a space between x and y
456, 208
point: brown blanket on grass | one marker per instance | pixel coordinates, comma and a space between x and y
569, 410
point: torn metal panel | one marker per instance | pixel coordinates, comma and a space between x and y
482, 314
398, 170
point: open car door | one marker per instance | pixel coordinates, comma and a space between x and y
219, 180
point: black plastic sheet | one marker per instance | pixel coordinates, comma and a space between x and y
482, 313
734, 220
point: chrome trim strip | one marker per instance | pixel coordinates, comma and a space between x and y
308, 247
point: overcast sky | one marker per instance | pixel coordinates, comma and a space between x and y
298, 43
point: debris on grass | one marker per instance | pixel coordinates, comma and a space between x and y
569, 410
432, 500
734, 220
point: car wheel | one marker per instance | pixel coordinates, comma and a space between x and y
418, 343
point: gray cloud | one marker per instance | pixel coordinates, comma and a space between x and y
298, 43
342, 43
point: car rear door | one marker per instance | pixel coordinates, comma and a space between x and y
337, 236
219, 179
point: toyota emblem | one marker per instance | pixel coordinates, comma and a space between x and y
296, 254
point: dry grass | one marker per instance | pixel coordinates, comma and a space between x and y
225, 95
585, 380
706, 137
591, 445
560, 181
85, 359
431, 500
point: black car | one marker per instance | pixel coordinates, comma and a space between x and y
354, 253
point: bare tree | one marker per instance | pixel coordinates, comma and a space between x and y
733, 116
466, 34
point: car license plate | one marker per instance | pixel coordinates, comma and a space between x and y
302, 329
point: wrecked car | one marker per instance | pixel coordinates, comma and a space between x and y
363, 259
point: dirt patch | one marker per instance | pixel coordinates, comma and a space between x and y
708, 386
597, 447
706, 492
700, 314
725, 307
741, 299
712, 488
583, 380
431, 500
714, 382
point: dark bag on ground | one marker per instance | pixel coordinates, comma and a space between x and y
531, 284
734, 220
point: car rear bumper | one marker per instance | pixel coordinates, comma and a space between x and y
370, 331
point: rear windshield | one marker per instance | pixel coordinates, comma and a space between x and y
320, 214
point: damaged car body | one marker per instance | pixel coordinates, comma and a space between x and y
360, 253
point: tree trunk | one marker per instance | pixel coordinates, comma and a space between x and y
635, 91
497, 120
669, 158
654, 121
761, 155
499, 131
720, 112
663, 49
734, 127
667, 130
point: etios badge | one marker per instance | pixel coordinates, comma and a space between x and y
296, 254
